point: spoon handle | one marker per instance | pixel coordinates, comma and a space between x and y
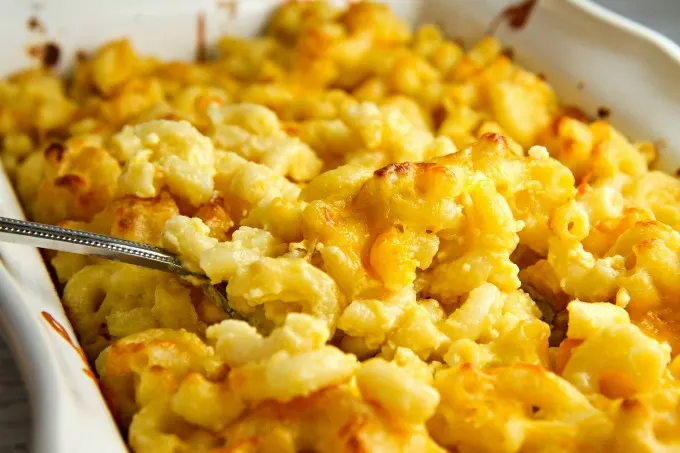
91, 244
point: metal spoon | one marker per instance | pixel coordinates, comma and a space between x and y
93, 244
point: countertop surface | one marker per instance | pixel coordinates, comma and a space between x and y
15, 413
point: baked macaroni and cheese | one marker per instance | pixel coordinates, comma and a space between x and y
430, 251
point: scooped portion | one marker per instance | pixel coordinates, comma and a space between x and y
431, 252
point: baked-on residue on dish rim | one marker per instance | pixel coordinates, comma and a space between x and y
64, 399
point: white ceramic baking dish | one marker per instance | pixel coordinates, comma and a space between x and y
591, 56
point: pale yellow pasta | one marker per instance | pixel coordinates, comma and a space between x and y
188, 238
69, 181
522, 407
417, 331
195, 398
111, 300
391, 387
373, 319
585, 319
423, 248
616, 373
254, 132
166, 153
268, 368
279, 376
245, 184
34, 100
639, 369
194, 102
499, 329
480, 252
281, 217
647, 423
248, 245
657, 192
305, 288
570, 222
66, 265
237, 343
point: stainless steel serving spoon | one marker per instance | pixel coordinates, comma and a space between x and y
92, 244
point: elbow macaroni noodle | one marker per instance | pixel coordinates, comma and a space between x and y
430, 251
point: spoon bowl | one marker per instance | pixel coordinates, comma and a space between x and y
53, 237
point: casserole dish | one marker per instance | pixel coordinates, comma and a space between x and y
592, 58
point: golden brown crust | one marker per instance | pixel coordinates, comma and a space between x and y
426, 244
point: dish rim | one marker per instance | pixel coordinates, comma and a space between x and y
30, 351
